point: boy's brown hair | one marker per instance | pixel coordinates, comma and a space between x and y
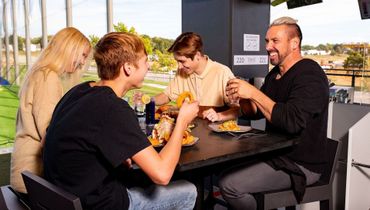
187, 44
114, 50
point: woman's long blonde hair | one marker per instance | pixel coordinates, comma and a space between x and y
60, 56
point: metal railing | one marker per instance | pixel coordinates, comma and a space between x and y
352, 73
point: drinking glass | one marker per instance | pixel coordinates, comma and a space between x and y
139, 106
233, 101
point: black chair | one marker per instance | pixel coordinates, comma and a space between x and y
44, 195
10, 200
320, 191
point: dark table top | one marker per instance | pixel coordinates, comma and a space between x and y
215, 148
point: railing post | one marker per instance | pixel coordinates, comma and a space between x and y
353, 78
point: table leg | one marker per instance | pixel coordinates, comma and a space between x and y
199, 183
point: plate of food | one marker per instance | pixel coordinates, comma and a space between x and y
169, 110
229, 126
185, 142
162, 131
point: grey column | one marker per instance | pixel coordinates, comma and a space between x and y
109, 16
69, 13
27, 32
6, 37
44, 24
15, 42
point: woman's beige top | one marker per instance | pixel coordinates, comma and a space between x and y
36, 106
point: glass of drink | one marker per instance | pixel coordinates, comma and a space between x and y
233, 101
139, 106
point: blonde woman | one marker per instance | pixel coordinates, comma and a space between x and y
56, 70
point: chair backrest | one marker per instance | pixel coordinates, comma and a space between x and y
332, 152
44, 195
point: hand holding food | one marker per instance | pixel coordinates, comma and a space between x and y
185, 96
163, 129
188, 112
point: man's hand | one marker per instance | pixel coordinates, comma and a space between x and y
237, 88
161, 99
211, 115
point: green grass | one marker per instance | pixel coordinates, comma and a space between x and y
9, 103
8, 111
146, 88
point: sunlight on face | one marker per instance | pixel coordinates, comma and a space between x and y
277, 44
141, 70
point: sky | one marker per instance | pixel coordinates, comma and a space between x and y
333, 21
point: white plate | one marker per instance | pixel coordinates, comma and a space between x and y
196, 139
243, 128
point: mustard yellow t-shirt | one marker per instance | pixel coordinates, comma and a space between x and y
207, 88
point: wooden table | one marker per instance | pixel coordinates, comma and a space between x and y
216, 151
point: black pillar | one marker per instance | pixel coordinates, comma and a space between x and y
233, 32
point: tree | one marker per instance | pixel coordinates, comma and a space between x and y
21, 41
355, 60
307, 47
338, 49
322, 47
161, 44
120, 27
166, 60
36, 40
155, 47
132, 30
93, 39
148, 46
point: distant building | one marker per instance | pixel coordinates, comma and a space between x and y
35, 47
316, 52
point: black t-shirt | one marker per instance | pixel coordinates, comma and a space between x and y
91, 133
302, 97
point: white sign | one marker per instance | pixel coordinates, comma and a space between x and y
240, 60
251, 42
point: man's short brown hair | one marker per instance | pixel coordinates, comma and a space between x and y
114, 50
187, 44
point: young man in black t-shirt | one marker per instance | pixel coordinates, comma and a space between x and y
94, 135
294, 100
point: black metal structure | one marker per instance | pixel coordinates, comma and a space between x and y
227, 28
